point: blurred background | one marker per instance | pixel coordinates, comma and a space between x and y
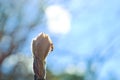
85, 33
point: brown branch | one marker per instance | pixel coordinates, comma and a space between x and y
41, 46
6, 54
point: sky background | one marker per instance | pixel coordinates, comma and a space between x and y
81, 30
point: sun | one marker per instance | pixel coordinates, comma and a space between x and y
58, 19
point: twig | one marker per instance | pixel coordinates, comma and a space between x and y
41, 46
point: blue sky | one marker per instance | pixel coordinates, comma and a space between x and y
86, 29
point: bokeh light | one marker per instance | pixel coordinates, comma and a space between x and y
58, 19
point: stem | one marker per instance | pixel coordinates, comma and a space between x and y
35, 78
39, 69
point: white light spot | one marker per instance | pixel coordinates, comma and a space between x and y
58, 19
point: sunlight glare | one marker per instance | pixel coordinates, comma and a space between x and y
58, 19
